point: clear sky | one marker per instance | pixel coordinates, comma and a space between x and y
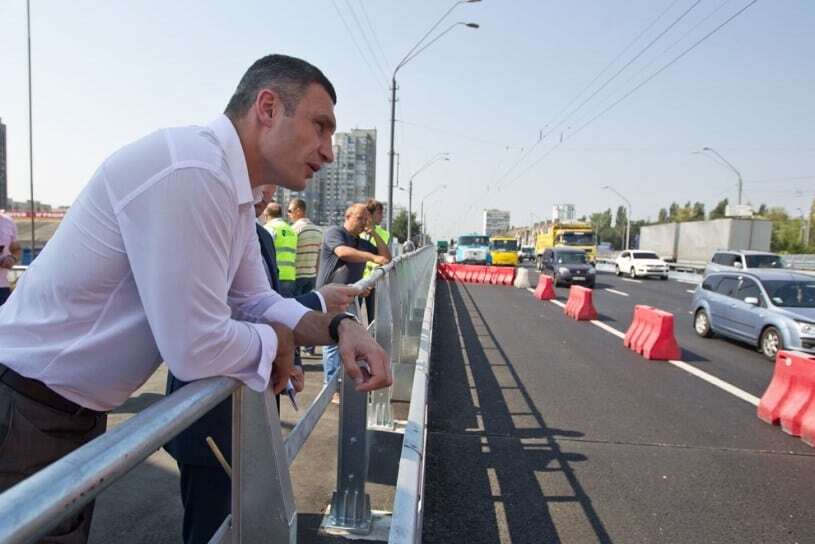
106, 73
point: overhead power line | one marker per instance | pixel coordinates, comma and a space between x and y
366, 40
359, 49
373, 32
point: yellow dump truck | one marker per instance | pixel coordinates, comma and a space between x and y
575, 235
503, 251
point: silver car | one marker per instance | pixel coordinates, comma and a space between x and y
770, 309
743, 259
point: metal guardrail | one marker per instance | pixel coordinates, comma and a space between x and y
263, 507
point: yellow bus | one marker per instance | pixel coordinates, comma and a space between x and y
503, 251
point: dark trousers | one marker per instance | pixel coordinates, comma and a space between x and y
32, 436
304, 286
206, 495
4, 293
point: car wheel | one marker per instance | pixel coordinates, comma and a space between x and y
770, 343
632, 273
617, 270
701, 324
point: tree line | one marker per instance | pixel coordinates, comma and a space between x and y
789, 234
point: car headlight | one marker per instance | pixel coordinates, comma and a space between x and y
563, 270
806, 329
591, 271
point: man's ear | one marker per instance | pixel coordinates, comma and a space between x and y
268, 107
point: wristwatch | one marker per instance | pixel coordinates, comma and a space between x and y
334, 325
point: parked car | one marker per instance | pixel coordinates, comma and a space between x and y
567, 266
770, 309
729, 260
641, 264
526, 253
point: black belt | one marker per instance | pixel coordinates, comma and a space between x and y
39, 392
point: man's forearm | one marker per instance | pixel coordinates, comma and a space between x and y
354, 255
381, 246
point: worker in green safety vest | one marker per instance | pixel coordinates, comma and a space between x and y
375, 209
285, 244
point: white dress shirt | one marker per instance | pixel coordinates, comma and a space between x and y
158, 259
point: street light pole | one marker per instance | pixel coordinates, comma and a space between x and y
627, 217
423, 230
727, 163
437, 157
30, 127
407, 58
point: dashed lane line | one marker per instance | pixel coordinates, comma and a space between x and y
701, 374
691, 291
616, 292
631, 281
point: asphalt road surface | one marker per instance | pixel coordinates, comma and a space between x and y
545, 429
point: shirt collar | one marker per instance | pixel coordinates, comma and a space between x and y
228, 138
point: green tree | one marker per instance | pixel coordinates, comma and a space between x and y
698, 211
786, 235
718, 211
663, 216
762, 210
673, 212
400, 226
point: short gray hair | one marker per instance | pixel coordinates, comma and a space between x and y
289, 77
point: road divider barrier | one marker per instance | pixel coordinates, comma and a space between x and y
789, 398
580, 306
545, 289
472, 273
651, 334
522, 279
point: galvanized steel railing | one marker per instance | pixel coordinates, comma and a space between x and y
263, 507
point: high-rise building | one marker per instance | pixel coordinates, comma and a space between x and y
563, 213
495, 221
3, 170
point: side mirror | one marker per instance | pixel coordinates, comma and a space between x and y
753, 301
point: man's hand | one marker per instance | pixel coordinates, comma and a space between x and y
381, 260
8, 261
284, 361
357, 346
298, 379
338, 296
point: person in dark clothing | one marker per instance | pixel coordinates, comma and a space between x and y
343, 256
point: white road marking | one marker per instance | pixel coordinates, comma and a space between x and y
616, 292
608, 328
688, 281
631, 281
530, 289
713, 380
689, 291
559, 303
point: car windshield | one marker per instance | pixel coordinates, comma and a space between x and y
764, 261
571, 258
504, 245
527, 250
645, 255
473, 241
577, 238
791, 293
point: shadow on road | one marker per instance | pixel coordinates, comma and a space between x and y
495, 470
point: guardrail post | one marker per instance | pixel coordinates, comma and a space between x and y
263, 508
350, 504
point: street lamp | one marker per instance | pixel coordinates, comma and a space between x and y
727, 164
628, 215
421, 213
436, 158
414, 51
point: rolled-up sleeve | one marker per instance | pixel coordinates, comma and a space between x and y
180, 264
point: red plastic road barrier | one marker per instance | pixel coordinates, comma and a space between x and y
651, 334
579, 305
789, 398
471, 273
545, 290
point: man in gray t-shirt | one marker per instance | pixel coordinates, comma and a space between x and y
343, 255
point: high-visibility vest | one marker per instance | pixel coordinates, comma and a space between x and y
285, 245
386, 237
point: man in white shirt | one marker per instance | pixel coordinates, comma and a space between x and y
127, 281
